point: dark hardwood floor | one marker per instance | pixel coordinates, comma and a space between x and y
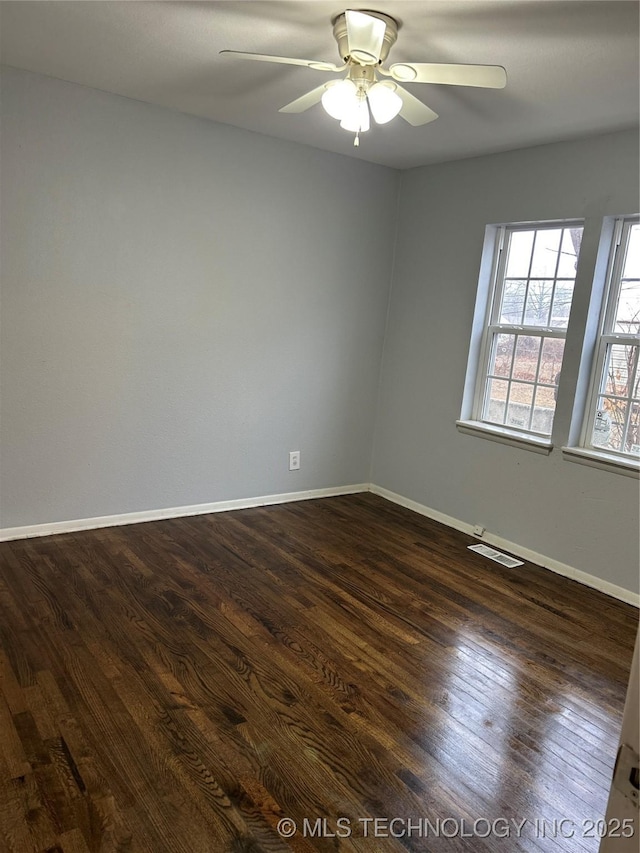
185, 685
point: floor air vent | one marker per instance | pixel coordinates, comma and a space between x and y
497, 556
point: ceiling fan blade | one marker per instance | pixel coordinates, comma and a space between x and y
413, 110
365, 35
304, 102
317, 65
484, 76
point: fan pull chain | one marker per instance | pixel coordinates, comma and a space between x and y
356, 141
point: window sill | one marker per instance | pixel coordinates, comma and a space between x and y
604, 461
503, 435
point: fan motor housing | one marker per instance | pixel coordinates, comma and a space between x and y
390, 34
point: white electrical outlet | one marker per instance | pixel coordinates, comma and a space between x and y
294, 460
478, 530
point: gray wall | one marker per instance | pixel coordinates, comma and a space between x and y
183, 304
581, 516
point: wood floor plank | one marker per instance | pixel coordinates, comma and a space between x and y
186, 685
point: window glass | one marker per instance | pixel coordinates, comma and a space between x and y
525, 345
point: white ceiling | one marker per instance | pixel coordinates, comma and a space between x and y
572, 66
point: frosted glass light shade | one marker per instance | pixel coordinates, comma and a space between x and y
385, 103
340, 99
357, 120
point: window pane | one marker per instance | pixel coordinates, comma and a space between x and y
543, 410
495, 401
628, 309
502, 355
526, 359
619, 365
632, 261
545, 253
608, 428
513, 296
627, 317
546, 396
551, 361
534, 289
632, 444
570, 249
561, 305
520, 245
601, 434
519, 408
538, 305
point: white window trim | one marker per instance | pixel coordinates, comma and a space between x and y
474, 425
585, 452
505, 435
603, 461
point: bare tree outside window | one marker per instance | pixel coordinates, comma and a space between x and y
614, 423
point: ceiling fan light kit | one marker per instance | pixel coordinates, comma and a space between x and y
384, 102
350, 100
364, 41
339, 98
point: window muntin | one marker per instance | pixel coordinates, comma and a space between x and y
613, 421
523, 347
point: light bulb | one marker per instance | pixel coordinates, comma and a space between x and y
357, 120
385, 103
340, 99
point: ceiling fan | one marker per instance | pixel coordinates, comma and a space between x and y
364, 40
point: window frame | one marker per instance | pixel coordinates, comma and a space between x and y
605, 338
491, 328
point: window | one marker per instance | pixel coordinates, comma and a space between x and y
522, 347
613, 416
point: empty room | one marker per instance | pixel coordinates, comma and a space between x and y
320, 397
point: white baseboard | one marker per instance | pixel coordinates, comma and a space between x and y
33, 530
556, 566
